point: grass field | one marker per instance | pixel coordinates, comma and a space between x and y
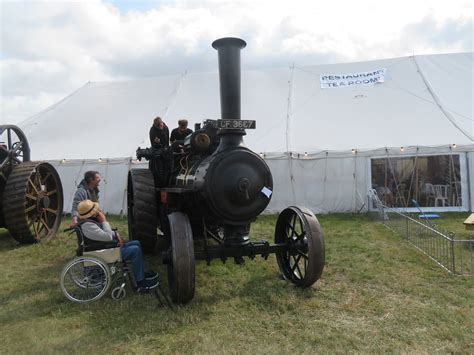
377, 294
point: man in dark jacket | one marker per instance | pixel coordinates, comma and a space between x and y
181, 132
159, 134
88, 189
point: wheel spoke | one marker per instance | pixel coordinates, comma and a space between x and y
301, 236
32, 197
301, 253
42, 220
31, 208
46, 178
298, 268
296, 260
33, 185
294, 224
52, 192
34, 226
50, 210
39, 226
38, 179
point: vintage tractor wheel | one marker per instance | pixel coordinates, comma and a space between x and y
181, 266
14, 150
142, 208
33, 202
303, 262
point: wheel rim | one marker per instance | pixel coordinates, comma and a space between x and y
34, 197
85, 280
181, 267
303, 260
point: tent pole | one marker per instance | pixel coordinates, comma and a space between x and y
288, 126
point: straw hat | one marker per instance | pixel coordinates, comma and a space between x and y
87, 209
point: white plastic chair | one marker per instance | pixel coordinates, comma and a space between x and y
441, 195
430, 193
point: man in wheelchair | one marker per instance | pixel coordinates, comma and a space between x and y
98, 234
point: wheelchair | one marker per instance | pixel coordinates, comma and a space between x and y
98, 267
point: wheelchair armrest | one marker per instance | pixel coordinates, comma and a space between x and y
100, 245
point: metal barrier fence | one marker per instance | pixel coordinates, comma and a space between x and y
454, 255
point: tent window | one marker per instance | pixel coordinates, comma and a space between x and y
434, 181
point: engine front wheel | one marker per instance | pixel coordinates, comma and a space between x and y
302, 263
181, 266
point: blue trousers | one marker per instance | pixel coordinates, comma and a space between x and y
132, 251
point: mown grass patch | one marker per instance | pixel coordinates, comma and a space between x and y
377, 294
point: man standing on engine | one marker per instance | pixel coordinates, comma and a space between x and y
181, 132
159, 134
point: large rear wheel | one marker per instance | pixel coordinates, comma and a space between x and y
33, 202
142, 208
181, 266
302, 263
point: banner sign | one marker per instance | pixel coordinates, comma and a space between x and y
331, 81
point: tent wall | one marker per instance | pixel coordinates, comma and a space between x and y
323, 184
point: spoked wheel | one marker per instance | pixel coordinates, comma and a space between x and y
85, 279
14, 150
33, 202
142, 208
181, 266
302, 262
14, 146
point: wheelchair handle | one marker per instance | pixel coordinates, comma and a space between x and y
69, 229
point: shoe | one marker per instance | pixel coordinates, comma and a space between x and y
151, 275
147, 284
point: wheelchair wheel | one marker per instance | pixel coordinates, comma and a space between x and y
85, 279
118, 293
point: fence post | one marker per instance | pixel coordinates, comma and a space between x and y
407, 231
452, 255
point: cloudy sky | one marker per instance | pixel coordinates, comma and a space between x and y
48, 49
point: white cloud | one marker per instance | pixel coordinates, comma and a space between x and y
50, 48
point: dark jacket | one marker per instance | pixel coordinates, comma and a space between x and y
83, 193
176, 134
162, 134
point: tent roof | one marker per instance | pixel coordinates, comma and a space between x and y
424, 101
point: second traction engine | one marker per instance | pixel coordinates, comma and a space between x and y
203, 193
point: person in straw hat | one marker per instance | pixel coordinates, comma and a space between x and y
95, 228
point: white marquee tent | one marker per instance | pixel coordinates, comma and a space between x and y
317, 141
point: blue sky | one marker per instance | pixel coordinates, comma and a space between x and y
140, 5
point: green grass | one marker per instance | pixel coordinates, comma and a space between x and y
377, 294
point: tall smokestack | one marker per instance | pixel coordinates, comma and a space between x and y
228, 49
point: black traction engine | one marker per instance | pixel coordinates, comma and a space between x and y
203, 193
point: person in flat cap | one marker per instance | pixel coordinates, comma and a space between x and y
95, 227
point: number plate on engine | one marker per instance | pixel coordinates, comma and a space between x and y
236, 124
